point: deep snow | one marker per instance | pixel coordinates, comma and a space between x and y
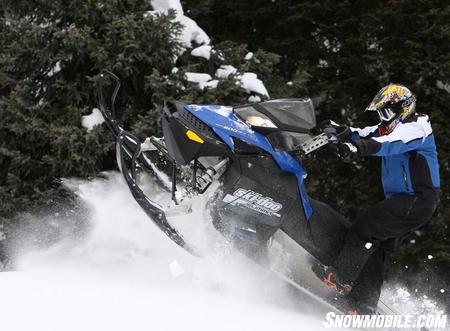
124, 274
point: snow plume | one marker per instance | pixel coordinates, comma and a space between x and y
125, 274
405, 303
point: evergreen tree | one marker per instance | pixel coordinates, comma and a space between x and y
51, 54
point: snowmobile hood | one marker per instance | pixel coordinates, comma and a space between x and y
228, 126
224, 122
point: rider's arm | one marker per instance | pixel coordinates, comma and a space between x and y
407, 137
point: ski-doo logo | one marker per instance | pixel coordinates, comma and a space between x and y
254, 200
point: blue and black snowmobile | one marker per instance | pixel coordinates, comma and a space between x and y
247, 161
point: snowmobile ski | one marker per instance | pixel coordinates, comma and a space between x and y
127, 143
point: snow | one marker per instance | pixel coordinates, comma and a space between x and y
56, 68
2, 234
176, 269
191, 31
251, 83
125, 274
211, 84
322, 64
404, 303
254, 98
202, 51
203, 80
165, 5
225, 70
92, 120
443, 86
248, 56
196, 77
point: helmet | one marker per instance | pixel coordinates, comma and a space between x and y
393, 101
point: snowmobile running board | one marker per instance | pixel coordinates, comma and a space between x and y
130, 145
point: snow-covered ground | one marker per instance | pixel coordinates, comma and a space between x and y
124, 274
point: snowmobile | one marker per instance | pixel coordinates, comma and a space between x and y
247, 160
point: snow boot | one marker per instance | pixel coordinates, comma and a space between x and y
330, 277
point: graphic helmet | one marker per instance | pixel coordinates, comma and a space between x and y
393, 101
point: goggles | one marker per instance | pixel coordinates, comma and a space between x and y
386, 114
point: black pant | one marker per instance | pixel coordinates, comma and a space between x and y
373, 235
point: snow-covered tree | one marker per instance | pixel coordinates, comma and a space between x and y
51, 55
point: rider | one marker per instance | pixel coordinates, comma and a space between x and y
410, 175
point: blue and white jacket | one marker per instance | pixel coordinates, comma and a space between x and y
409, 156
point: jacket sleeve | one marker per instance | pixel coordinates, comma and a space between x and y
405, 138
367, 146
361, 139
371, 146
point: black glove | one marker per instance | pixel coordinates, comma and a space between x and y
333, 130
341, 133
342, 150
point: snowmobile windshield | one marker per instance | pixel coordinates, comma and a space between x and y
295, 115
